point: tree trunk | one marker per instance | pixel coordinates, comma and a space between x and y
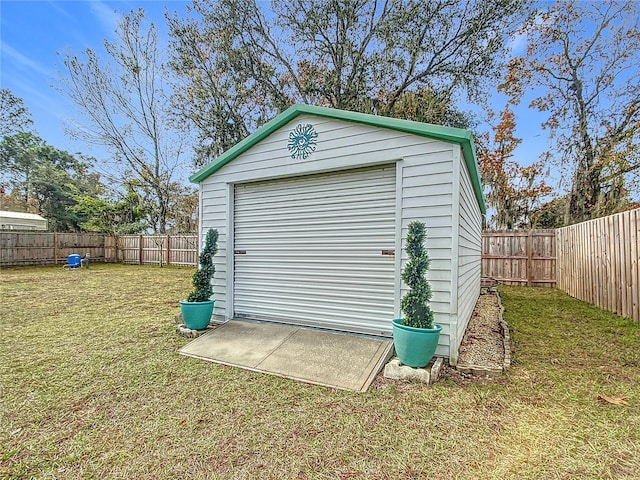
585, 193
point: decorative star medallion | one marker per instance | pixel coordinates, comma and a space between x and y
302, 141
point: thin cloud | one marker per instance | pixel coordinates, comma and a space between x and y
56, 6
108, 18
22, 61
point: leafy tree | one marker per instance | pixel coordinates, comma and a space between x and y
45, 180
54, 189
19, 154
10, 200
240, 65
115, 216
584, 57
14, 116
426, 105
512, 191
182, 203
124, 106
551, 214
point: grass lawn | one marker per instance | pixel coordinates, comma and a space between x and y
91, 387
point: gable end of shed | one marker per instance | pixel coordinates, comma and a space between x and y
458, 136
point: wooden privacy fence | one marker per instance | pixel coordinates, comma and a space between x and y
595, 261
520, 257
26, 248
179, 250
598, 262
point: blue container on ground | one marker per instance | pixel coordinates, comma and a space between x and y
74, 261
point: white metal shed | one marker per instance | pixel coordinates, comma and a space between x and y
312, 208
22, 221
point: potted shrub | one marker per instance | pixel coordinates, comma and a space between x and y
416, 336
198, 307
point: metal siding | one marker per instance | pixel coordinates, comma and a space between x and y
469, 244
419, 160
428, 196
314, 250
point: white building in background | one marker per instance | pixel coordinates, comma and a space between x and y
21, 221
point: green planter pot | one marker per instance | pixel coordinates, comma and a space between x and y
415, 346
196, 315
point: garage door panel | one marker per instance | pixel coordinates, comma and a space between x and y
303, 273
338, 301
311, 184
328, 213
336, 226
337, 233
307, 289
320, 279
332, 238
289, 246
367, 210
310, 250
255, 245
307, 312
324, 258
338, 218
341, 192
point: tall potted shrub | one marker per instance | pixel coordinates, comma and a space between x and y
198, 307
416, 336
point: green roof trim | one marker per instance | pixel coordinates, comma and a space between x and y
459, 136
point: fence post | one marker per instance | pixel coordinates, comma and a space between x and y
55, 248
530, 258
140, 240
168, 250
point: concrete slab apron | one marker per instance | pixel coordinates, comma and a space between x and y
347, 362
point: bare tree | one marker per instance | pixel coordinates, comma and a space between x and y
584, 57
124, 106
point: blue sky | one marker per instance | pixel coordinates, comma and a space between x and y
33, 32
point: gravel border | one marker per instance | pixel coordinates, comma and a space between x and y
485, 350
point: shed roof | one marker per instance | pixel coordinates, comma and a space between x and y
20, 215
459, 136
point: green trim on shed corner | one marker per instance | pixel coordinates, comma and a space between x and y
458, 136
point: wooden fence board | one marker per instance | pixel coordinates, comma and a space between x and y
181, 250
520, 257
634, 271
30, 248
598, 262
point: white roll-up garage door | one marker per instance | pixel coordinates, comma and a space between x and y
317, 250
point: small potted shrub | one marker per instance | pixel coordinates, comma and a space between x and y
416, 336
198, 307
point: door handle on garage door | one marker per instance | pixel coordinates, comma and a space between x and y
388, 252
240, 252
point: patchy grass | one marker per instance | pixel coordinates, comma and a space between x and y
91, 387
